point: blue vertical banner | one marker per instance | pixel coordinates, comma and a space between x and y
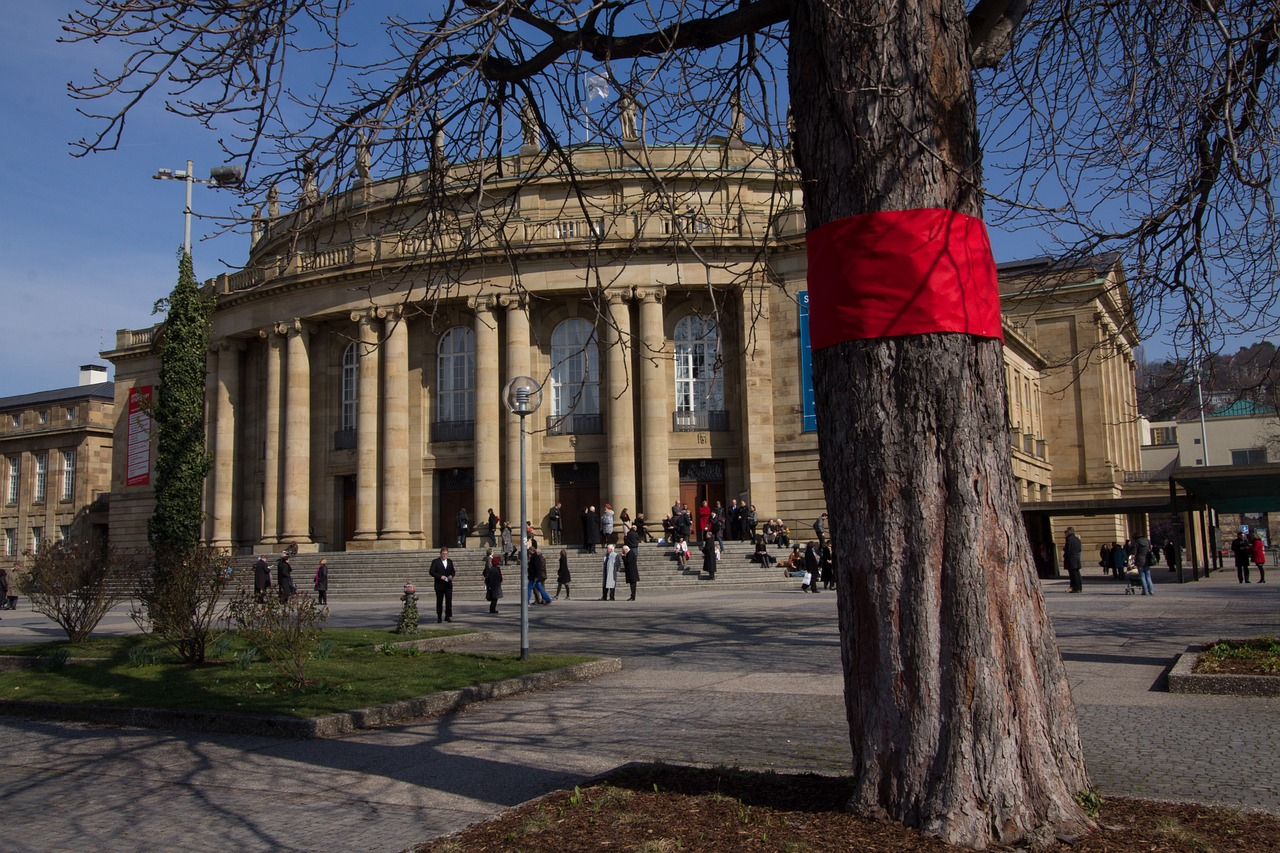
809, 423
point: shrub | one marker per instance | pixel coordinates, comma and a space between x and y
76, 583
180, 600
287, 632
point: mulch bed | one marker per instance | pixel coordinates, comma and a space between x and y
660, 808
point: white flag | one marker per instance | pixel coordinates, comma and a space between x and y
597, 87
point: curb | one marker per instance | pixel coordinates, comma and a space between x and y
328, 726
1183, 680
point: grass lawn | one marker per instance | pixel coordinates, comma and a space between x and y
355, 668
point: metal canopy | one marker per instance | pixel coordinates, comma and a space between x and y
1231, 488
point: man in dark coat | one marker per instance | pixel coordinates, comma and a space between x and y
537, 576
631, 568
442, 572
555, 524
284, 578
261, 579
464, 524
591, 529
710, 554
1071, 559
1243, 552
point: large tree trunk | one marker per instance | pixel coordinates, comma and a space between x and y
960, 713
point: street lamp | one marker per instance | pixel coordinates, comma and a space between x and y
219, 176
523, 396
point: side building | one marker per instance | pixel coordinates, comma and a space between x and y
354, 394
57, 450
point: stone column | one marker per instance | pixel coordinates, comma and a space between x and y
367, 351
518, 364
271, 439
756, 407
297, 437
488, 415
395, 425
210, 437
621, 406
224, 441
656, 379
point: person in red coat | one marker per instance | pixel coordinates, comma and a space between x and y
1259, 556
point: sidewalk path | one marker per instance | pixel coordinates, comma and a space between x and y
735, 677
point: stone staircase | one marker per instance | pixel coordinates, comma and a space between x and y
383, 574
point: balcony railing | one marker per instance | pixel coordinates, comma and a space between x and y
575, 424
1146, 476
344, 439
453, 430
704, 421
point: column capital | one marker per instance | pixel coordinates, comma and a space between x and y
480, 303
513, 301
292, 328
651, 294
365, 316
390, 312
270, 332
619, 295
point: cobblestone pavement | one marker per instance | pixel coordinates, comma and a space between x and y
737, 677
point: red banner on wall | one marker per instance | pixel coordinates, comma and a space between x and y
901, 272
138, 437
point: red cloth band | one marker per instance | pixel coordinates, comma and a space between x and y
901, 272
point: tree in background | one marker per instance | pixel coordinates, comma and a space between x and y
1159, 114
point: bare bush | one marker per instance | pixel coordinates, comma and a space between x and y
287, 631
76, 583
179, 600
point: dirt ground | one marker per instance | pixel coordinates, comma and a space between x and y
654, 809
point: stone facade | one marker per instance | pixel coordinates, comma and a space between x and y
55, 458
357, 363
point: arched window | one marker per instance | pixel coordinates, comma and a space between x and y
456, 376
350, 372
575, 371
699, 370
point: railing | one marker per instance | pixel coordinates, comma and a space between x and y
704, 421
1146, 476
575, 424
453, 430
344, 439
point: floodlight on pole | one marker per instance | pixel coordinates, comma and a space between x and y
222, 177
523, 396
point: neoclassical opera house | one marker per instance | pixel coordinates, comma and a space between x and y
354, 395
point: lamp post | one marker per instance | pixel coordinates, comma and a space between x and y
219, 176
523, 396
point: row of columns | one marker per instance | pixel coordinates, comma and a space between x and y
382, 416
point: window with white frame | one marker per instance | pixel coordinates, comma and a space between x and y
71, 413
64, 532
699, 376
15, 471
42, 477
10, 542
350, 373
456, 375
43, 416
37, 539
16, 420
575, 369
68, 475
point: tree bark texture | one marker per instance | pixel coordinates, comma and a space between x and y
960, 713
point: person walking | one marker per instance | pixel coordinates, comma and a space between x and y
1243, 553
609, 580
321, 582
1071, 551
562, 574
1259, 555
812, 572
463, 524
492, 530
442, 573
508, 542
1144, 559
631, 568
284, 579
492, 574
537, 577
261, 579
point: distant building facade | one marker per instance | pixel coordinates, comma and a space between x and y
56, 450
357, 363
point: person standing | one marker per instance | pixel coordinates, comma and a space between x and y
751, 520
442, 572
710, 555
1243, 553
606, 525
1071, 551
811, 569
321, 583
10, 601
464, 524
1259, 554
554, 524
631, 568
508, 542
284, 578
591, 529
1172, 556
1143, 557
492, 574
1119, 560
704, 518
609, 581
562, 574
820, 529
537, 577
4, 589
493, 529
261, 579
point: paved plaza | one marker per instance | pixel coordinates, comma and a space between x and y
746, 677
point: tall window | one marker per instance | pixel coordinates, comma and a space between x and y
349, 373
68, 475
64, 532
575, 369
37, 538
699, 371
10, 542
15, 469
42, 477
456, 375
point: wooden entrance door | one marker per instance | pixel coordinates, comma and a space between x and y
457, 491
577, 487
348, 488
